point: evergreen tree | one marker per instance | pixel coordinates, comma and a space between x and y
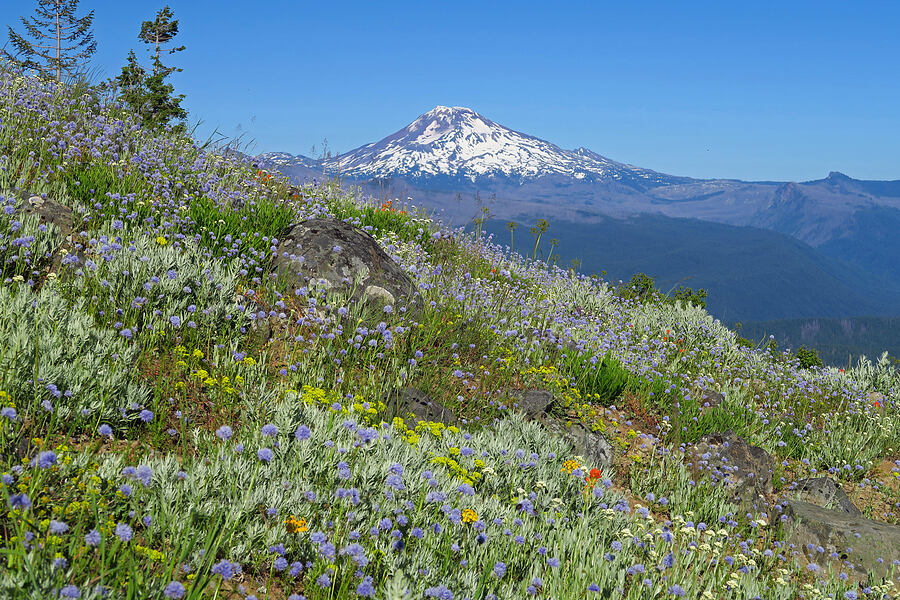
149, 94
157, 33
54, 24
132, 89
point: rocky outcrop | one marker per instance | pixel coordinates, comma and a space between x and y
61, 218
531, 402
727, 458
820, 534
51, 213
414, 401
337, 257
590, 445
824, 492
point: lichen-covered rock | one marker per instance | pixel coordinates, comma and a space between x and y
824, 492
61, 218
531, 402
729, 459
423, 408
50, 212
711, 400
338, 257
590, 445
821, 534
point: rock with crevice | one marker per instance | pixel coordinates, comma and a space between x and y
711, 399
411, 400
61, 218
50, 212
531, 402
334, 256
866, 546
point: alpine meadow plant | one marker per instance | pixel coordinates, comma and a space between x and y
179, 421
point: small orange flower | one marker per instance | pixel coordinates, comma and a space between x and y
592, 477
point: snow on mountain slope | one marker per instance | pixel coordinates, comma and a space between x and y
458, 142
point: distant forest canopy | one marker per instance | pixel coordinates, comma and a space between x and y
839, 341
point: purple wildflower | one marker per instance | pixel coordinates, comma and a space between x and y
174, 590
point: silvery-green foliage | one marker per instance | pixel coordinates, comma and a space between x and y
152, 283
24, 241
858, 438
45, 338
696, 326
881, 376
397, 587
666, 476
239, 487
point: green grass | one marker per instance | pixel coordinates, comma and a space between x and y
221, 439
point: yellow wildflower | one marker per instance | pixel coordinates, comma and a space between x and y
295, 525
569, 466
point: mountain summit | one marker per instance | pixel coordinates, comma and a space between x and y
458, 143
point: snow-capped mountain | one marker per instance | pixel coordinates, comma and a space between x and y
457, 142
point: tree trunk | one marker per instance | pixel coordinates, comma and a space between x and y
58, 43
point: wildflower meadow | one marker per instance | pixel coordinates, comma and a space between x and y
177, 420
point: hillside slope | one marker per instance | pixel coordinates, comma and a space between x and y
180, 418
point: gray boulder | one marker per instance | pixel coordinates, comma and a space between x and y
711, 399
60, 217
824, 492
337, 257
51, 213
423, 408
729, 459
821, 534
590, 445
531, 402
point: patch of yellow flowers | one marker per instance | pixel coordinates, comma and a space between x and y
295, 525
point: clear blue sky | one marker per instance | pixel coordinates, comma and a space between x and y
751, 90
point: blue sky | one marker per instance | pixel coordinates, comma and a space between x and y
750, 90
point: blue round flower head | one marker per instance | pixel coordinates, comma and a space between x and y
224, 432
46, 459
264, 454
269, 430
144, 474
226, 569
58, 527
303, 433
366, 589
174, 590
105, 430
92, 538
124, 532
70, 591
